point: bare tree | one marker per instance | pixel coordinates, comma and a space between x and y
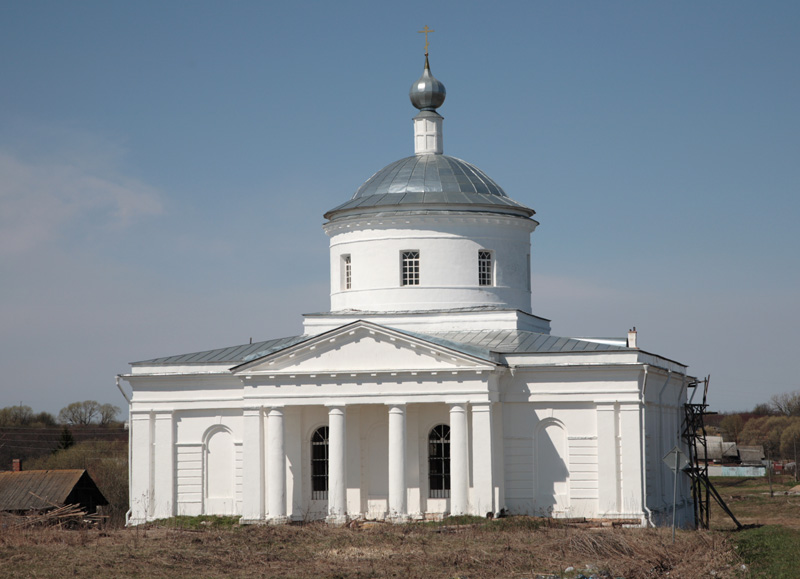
79, 412
787, 403
731, 426
108, 413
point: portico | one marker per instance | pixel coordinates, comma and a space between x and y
378, 424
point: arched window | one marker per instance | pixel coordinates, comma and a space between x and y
439, 462
319, 464
485, 268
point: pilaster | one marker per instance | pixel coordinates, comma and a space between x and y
482, 459
253, 466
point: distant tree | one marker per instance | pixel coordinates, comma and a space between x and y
66, 440
731, 427
43, 419
763, 409
79, 413
767, 431
16, 415
787, 403
790, 439
107, 414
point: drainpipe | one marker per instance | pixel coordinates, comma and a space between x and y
661, 430
125, 396
642, 446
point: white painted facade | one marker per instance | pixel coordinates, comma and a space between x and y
536, 424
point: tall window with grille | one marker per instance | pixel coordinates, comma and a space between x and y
410, 266
319, 464
485, 276
347, 272
439, 462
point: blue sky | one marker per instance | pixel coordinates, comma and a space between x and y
164, 168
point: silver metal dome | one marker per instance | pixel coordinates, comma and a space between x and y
428, 93
424, 181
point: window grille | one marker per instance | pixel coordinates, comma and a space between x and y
439, 462
319, 464
348, 272
410, 261
485, 268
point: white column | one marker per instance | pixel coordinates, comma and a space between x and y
337, 488
398, 510
459, 465
253, 466
482, 459
164, 462
276, 467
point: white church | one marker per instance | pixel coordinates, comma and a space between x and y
429, 388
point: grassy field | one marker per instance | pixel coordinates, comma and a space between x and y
770, 543
514, 547
751, 503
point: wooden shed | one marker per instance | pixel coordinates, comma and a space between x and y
42, 490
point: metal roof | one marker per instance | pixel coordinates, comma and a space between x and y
478, 343
226, 356
430, 180
520, 342
44, 489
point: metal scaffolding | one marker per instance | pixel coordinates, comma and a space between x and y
694, 435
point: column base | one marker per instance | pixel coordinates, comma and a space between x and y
244, 521
336, 520
280, 520
398, 519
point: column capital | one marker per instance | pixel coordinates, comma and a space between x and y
275, 411
458, 406
396, 408
482, 406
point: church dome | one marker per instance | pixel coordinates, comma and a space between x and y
427, 181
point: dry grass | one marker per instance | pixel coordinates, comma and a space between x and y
516, 547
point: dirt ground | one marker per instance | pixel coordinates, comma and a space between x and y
516, 547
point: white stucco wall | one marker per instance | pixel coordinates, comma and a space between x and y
448, 247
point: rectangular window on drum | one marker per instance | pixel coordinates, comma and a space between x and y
410, 267
485, 268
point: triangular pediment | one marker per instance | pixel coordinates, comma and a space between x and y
364, 347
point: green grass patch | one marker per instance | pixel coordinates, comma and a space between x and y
770, 551
199, 523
